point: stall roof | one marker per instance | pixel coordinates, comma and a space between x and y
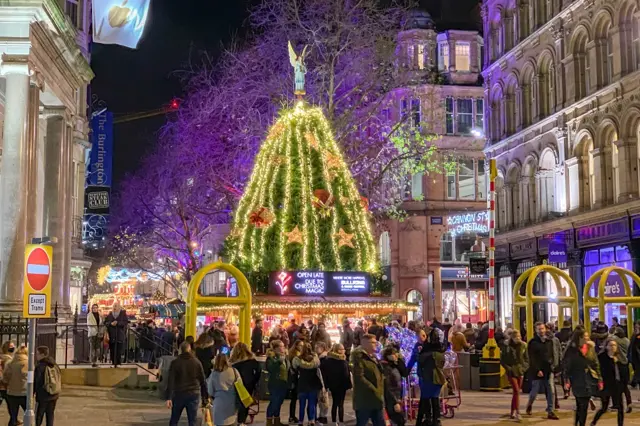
261, 302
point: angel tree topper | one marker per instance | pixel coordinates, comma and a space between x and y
297, 62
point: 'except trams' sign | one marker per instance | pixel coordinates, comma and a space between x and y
319, 283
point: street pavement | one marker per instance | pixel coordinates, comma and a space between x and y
87, 406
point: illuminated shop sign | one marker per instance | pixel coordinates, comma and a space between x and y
474, 223
319, 283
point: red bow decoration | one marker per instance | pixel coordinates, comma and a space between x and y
364, 202
323, 201
261, 218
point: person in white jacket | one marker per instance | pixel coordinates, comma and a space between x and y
94, 323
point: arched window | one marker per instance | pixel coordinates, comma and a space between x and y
512, 198
629, 38
604, 50
547, 86
528, 191
496, 115
608, 170
523, 20
541, 12
580, 64
385, 249
414, 296
527, 98
511, 107
546, 184
500, 203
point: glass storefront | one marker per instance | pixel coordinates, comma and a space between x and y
506, 296
596, 259
468, 305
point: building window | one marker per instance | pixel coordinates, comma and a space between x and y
410, 60
74, 189
464, 115
385, 249
483, 180
71, 9
421, 56
463, 50
449, 115
416, 187
451, 185
443, 56
479, 121
467, 180
414, 296
446, 247
415, 112
404, 110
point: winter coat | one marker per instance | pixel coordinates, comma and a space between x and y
557, 353
221, 387
322, 336
205, 355
458, 342
357, 335
146, 338
346, 338
291, 331
308, 374
470, 335
368, 381
564, 335
430, 360
634, 352
15, 375
335, 369
540, 357
250, 372
117, 333
515, 358
583, 371
186, 376
5, 359
256, 341
39, 380
93, 326
613, 385
393, 373
599, 339
623, 347
278, 369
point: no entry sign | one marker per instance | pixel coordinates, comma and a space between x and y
37, 281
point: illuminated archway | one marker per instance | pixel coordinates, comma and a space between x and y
599, 302
243, 300
527, 301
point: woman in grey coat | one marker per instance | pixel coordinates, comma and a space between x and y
224, 410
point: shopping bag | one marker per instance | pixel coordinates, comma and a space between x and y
243, 394
206, 417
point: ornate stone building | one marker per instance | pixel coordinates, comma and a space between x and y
563, 114
44, 73
425, 255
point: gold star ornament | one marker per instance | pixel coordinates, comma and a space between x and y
312, 140
344, 238
294, 236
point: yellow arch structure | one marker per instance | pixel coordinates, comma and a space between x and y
599, 302
529, 276
243, 300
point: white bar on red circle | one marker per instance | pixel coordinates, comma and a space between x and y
38, 269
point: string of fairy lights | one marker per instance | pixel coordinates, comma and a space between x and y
301, 148
282, 306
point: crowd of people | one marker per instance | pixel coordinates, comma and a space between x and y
47, 382
304, 366
589, 365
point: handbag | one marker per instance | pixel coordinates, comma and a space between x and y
323, 397
244, 396
206, 417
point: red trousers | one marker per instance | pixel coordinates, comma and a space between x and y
516, 386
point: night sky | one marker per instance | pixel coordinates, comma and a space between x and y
176, 34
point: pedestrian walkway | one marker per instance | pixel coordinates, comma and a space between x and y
83, 406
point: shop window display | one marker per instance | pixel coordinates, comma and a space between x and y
468, 305
597, 259
414, 296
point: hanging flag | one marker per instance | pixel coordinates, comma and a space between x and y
119, 21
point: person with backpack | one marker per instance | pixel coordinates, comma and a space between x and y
278, 384
514, 358
394, 371
310, 383
15, 376
47, 383
429, 354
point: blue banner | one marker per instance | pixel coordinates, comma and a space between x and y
101, 157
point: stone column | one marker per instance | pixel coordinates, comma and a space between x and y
55, 198
452, 55
627, 172
569, 84
573, 184
68, 212
31, 185
614, 35
13, 195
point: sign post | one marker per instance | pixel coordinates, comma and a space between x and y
36, 304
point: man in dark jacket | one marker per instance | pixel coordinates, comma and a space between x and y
291, 331
219, 338
368, 383
147, 341
376, 329
256, 338
358, 333
541, 368
564, 336
117, 323
46, 401
186, 383
346, 337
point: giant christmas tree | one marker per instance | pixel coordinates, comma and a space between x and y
301, 209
